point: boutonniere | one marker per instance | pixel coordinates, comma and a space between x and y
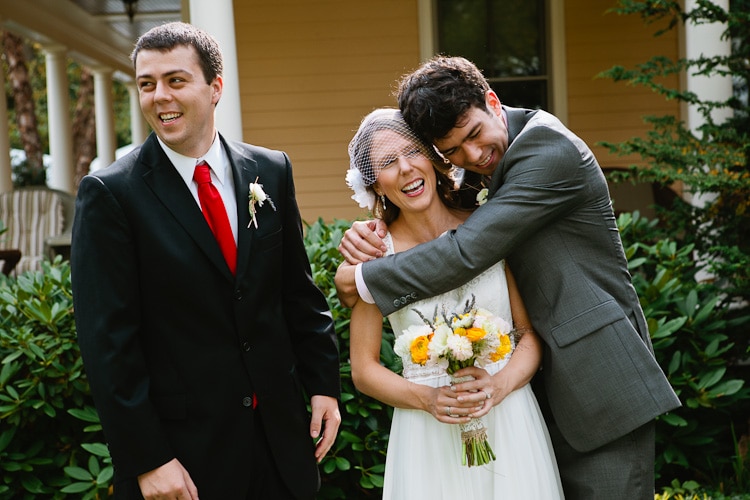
482, 197
257, 195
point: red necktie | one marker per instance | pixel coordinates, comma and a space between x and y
215, 214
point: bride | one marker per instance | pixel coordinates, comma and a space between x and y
403, 181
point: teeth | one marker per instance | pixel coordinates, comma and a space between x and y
484, 162
412, 186
166, 117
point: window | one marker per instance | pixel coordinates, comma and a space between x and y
506, 39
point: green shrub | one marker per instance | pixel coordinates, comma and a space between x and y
693, 332
354, 467
41, 385
51, 440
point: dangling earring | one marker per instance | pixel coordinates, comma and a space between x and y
382, 200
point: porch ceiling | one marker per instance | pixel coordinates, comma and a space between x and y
96, 32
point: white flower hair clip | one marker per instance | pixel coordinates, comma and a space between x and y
364, 197
257, 195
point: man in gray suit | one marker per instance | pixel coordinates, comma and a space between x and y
548, 213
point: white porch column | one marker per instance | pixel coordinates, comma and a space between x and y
138, 127
6, 181
705, 40
104, 112
217, 18
61, 172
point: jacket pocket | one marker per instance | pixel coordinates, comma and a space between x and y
587, 322
271, 241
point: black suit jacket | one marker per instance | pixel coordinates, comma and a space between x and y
174, 345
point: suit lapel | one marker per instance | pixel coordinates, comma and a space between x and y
517, 120
244, 171
162, 178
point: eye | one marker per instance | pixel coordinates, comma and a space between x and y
145, 85
412, 153
388, 161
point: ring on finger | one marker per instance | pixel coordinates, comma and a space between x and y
447, 410
486, 394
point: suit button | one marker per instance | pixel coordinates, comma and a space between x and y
238, 294
246, 346
247, 401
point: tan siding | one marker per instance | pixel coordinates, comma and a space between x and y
599, 109
309, 71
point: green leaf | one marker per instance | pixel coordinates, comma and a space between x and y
105, 476
673, 420
97, 449
343, 464
711, 378
78, 473
87, 414
726, 388
77, 488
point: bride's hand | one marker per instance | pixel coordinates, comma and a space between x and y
446, 408
483, 392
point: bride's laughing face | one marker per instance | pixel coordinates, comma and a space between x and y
407, 177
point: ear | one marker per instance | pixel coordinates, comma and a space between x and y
493, 102
216, 86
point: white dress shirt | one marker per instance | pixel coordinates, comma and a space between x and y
221, 176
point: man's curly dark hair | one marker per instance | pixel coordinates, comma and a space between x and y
435, 97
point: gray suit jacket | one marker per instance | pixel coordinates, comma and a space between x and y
550, 215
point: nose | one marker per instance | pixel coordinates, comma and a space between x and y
472, 153
404, 164
162, 93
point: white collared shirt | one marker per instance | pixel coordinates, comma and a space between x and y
221, 176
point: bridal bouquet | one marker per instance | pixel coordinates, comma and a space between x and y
456, 340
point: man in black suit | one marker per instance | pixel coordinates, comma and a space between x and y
199, 363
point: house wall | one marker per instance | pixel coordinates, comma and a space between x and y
309, 72
600, 109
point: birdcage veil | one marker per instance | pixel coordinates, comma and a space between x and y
370, 151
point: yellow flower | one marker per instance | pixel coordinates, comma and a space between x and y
474, 333
461, 332
502, 350
419, 349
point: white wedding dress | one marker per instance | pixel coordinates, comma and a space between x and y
424, 455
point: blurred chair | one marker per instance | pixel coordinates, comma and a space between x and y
39, 221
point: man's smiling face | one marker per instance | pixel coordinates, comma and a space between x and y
176, 100
479, 140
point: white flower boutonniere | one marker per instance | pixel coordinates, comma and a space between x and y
482, 197
257, 195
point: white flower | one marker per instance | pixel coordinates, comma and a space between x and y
462, 321
482, 197
363, 196
460, 347
257, 195
439, 343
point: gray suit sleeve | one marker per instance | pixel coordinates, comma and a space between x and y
539, 180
